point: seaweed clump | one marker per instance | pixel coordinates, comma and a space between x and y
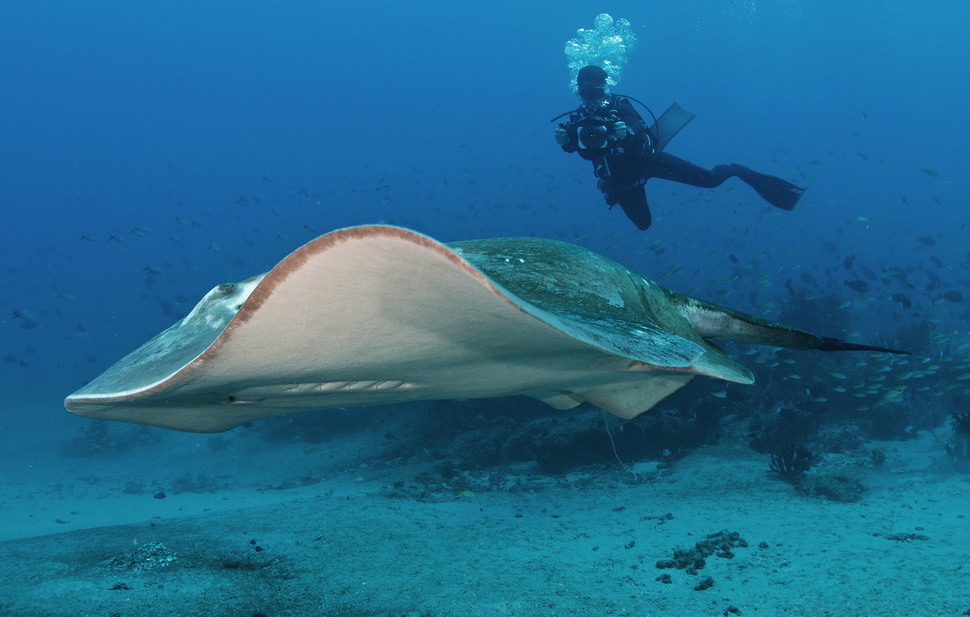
834, 477
791, 462
961, 422
958, 445
151, 556
693, 559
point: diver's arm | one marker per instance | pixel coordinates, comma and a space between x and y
635, 123
566, 136
629, 114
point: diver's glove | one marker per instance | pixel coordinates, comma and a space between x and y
562, 136
620, 130
608, 189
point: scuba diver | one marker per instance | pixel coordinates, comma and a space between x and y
625, 152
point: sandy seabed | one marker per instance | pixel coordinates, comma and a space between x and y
289, 529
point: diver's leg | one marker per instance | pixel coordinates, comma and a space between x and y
633, 200
620, 182
634, 204
779, 193
669, 167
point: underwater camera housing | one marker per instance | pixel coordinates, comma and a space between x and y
595, 135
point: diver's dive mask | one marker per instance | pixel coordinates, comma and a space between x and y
591, 85
592, 93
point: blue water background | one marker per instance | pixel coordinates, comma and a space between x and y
153, 150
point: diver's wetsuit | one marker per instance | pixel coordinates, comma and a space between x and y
624, 166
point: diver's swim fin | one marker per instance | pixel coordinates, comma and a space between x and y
779, 193
669, 124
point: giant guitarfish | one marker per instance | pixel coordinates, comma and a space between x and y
379, 314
